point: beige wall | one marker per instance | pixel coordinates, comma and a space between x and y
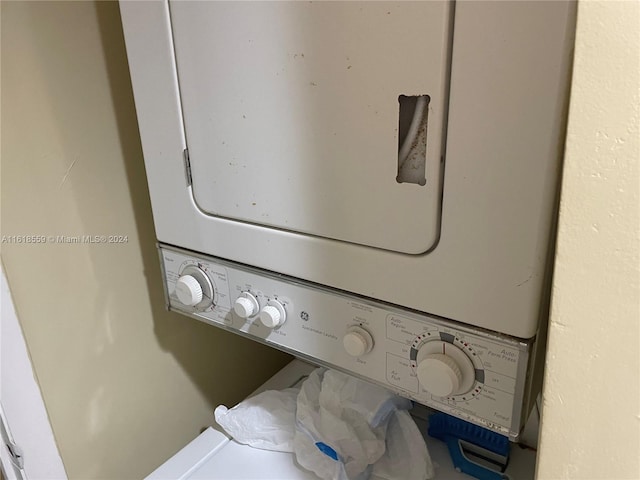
125, 383
591, 410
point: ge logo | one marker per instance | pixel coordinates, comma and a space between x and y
304, 316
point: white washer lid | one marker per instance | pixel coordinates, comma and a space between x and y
240, 462
212, 456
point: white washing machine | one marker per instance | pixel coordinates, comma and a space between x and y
215, 456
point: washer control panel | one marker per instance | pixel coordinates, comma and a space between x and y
472, 374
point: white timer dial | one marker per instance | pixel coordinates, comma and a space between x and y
439, 374
194, 289
357, 341
444, 370
188, 290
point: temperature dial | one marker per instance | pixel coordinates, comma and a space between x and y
273, 314
357, 341
194, 289
246, 305
444, 369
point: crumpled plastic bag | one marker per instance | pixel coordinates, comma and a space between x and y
346, 418
339, 427
265, 421
406, 455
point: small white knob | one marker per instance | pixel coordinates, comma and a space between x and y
439, 374
244, 307
271, 317
188, 290
357, 342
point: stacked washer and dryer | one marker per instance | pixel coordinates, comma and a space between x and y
369, 186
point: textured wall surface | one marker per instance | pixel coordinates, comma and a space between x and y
591, 410
125, 383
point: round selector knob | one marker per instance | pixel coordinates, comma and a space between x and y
439, 374
273, 314
444, 370
243, 307
357, 341
246, 305
188, 290
194, 289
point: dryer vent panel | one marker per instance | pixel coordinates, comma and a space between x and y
412, 138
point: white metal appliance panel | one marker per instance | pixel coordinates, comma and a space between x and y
504, 137
291, 113
318, 319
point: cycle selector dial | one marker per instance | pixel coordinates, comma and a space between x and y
194, 288
273, 314
357, 342
188, 290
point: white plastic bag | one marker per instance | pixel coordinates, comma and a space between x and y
346, 420
406, 456
339, 427
265, 421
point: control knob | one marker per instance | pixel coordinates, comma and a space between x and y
194, 288
188, 290
273, 314
444, 370
246, 305
357, 341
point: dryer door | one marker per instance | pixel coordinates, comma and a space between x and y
322, 118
